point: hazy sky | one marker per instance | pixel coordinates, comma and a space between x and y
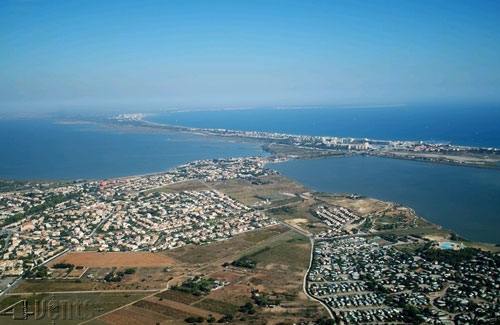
63, 54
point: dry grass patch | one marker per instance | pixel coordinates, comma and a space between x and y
217, 306
263, 234
162, 309
185, 308
49, 285
178, 296
188, 185
77, 273
133, 315
209, 253
269, 187
294, 250
194, 255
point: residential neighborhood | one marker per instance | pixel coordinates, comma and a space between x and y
359, 276
127, 214
371, 280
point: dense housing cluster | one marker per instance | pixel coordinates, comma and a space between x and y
369, 280
335, 218
126, 214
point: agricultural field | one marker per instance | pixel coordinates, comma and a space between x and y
144, 296
282, 257
64, 308
114, 259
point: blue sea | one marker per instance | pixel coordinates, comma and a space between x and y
460, 125
458, 198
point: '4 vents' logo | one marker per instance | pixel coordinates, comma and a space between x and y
52, 310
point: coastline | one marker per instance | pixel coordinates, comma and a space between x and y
467, 156
161, 128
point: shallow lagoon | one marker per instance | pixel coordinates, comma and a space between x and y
463, 199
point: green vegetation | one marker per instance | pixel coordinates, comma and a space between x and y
184, 298
248, 308
12, 219
113, 277
62, 266
197, 286
248, 261
116, 276
38, 272
292, 249
193, 319
411, 315
227, 318
368, 224
20, 185
286, 209
454, 257
245, 261
372, 285
263, 299
50, 202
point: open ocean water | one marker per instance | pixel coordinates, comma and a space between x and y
465, 200
460, 125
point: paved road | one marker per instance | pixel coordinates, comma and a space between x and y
102, 222
304, 283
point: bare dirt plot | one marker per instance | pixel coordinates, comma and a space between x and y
77, 273
183, 307
361, 206
115, 259
162, 309
299, 223
134, 315
282, 257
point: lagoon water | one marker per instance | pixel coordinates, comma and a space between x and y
43, 149
465, 200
